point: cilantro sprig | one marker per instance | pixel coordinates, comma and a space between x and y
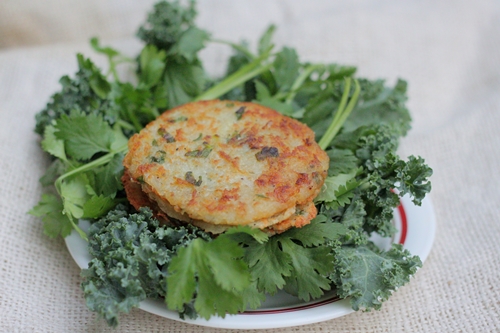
358, 122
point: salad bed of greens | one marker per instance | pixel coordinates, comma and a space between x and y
85, 128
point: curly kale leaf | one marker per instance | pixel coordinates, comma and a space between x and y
169, 65
170, 27
369, 276
412, 178
131, 256
352, 217
86, 92
383, 171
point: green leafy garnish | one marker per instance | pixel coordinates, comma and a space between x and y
295, 259
50, 209
369, 276
131, 255
358, 122
214, 272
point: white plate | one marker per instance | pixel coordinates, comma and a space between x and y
416, 225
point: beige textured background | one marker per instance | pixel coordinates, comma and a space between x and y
449, 51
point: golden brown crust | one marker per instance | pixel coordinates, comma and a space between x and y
302, 216
227, 163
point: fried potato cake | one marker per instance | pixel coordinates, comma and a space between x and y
223, 163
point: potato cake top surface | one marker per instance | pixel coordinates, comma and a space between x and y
227, 162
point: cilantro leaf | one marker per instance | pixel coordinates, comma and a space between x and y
106, 50
295, 258
190, 42
107, 177
241, 234
97, 205
152, 65
52, 145
84, 136
75, 195
267, 258
55, 223
55, 169
183, 82
316, 261
218, 269
286, 68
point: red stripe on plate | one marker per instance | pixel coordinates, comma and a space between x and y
297, 308
404, 224
402, 239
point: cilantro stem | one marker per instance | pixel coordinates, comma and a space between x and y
237, 47
135, 122
127, 125
95, 163
342, 113
299, 81
82, 233
245, 73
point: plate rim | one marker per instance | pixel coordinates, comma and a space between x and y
416, 244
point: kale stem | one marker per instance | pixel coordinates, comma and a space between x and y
341, 114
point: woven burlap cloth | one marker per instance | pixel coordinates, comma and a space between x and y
449, 51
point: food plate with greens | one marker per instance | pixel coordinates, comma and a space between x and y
149, 254
416, 228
